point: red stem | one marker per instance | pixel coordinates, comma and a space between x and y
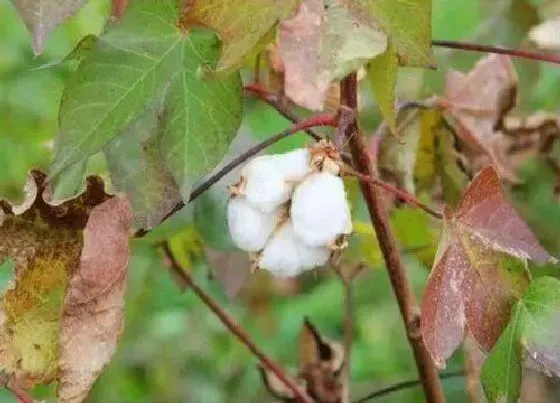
185, 281
473, 47
374, 199
401, 194
118, 8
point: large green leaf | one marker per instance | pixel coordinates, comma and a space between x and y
149, 60
130, 65
533, 334
202, 113
134, 161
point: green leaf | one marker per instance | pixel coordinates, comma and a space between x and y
382, 76
240, 23
532, 334
129, 67
146, 61
134, 161
408, 25
202, 113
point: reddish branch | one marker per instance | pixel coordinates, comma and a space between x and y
473, 47
8, 382
185, 280
279, 103
118, 8
401, 194
380, 219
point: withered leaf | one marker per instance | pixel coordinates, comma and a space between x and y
62, 313
320, 363
44, 243
479, 271
41, 17
323, 42
479, 100
92, 318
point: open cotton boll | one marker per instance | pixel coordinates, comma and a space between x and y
295, 165
249, 227
265, 187
285, 255
319, 210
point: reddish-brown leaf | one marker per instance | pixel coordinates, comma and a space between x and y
92, 317
479, 100
480, 269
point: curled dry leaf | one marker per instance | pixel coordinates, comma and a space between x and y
320, 363
479, 100
479, 271
69, 272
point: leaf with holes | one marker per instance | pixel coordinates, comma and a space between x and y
532, 337
41, 17
479, 271
241, 24
63, 312
324, 42
145, 61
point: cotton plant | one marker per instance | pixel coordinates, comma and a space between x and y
290, 211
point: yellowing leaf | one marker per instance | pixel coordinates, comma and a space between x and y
63, 312
382, 76
364, 244
240, 23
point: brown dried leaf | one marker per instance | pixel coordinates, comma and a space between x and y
92, 318
43, 16
479, 100
323, 42
44, 242
479, 271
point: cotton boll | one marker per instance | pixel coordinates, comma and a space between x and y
286, 255
249, 227
265, 187
319, 209
295, 165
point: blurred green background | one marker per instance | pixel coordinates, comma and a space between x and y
173, 349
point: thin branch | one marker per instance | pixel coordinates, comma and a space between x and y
401, 194
380, 219
8, 382
185, 280
348, 337
278, 103
403, 385
320, 120
473, 47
